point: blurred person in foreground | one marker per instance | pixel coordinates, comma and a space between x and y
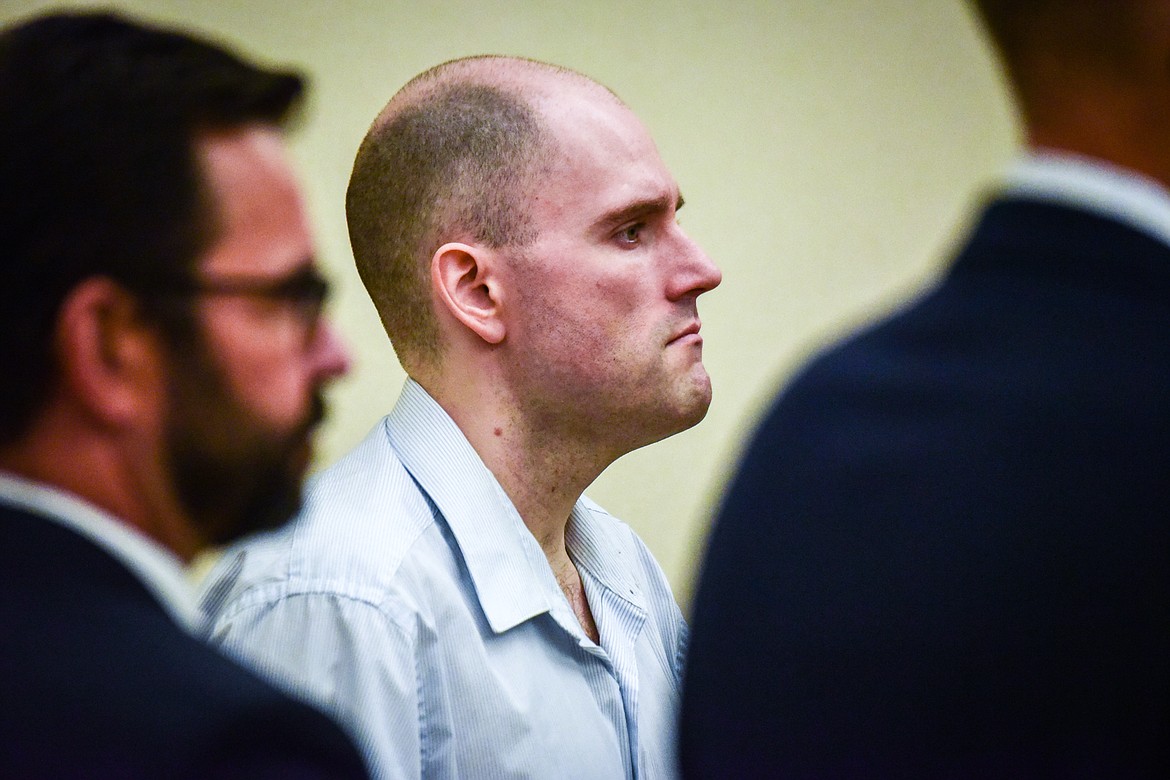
163, 361
947, 551
449, 592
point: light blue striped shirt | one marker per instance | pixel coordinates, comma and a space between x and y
411, 601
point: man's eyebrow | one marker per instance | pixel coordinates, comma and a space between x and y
639, 208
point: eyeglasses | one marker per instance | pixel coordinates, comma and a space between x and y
304, 292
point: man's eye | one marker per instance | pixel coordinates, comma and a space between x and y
632, 234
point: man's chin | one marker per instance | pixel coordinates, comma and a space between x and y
272, 512
698, 391
694, 401
284, 501
301, 456
302, 445
270, 492
683, 409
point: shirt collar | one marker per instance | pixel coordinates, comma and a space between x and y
594, 549
1094, 185
159, 569
507, 566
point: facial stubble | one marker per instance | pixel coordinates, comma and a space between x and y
233, 472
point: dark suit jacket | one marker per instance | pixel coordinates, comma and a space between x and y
97, 681
947, 551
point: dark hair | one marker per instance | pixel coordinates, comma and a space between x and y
461, 158
1099, 34
1011, 23
98, 171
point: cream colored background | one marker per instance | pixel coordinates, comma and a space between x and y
830, 152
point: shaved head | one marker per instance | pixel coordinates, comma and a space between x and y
456, 155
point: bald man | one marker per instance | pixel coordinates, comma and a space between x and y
449, 592
947, 552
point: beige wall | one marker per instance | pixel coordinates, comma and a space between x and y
829, 151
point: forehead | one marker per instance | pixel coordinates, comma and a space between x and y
604, 158
260, 223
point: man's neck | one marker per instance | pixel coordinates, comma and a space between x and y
542, 471
1125, 128
125, 484
542, 475
544, 482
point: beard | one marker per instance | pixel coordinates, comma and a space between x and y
234, 474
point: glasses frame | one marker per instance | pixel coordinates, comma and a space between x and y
304, 292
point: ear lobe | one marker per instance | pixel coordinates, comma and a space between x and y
461, 276
109, 360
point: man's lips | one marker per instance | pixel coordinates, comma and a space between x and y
689, 334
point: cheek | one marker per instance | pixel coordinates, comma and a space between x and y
592, 330
595, 323
274, 388
268, 380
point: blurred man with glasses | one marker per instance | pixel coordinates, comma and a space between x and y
163, 360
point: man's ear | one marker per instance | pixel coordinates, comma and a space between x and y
462, 278
109, 360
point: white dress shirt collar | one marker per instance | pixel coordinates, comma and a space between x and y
1094, 185
159, 570
503, 559
511, 574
